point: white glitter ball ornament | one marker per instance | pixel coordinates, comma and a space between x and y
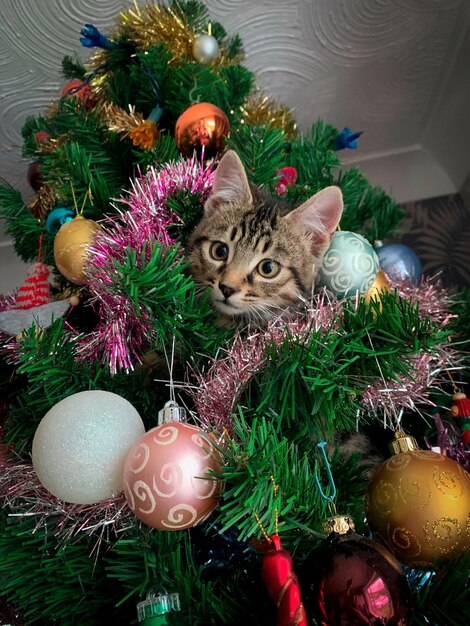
81, 444
350, 265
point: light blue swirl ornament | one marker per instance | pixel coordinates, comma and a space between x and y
400, 262
350, 265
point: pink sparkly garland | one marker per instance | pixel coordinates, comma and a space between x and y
123, 333
23, 494
218, 391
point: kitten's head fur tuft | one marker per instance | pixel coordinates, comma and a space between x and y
257, 259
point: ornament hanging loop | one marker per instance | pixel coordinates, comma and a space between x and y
328, 498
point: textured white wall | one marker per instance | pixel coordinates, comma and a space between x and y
396, 69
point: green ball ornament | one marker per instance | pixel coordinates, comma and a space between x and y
350, 265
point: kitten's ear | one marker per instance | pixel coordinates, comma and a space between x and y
319, 215
230, 183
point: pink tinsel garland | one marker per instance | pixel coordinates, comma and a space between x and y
218, 391
124, 332
23, 494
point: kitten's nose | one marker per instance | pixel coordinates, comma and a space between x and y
226, 290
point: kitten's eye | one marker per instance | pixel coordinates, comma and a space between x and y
268, 268
219, 251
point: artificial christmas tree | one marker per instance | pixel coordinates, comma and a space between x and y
135, 140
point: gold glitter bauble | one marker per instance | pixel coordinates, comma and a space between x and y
418, 506
71, 245
202, 125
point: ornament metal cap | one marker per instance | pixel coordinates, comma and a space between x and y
171, 412
340, 524
157, 603
402, 443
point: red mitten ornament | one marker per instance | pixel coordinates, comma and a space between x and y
282, 584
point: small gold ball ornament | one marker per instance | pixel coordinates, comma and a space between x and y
71, 245
202, 125
418, 504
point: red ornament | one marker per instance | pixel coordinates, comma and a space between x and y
41, 136
460, 408
83, 92
349, 579
288, 179
283, 585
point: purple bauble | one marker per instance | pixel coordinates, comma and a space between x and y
400, 262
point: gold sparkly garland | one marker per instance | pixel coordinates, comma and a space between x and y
42, 203
261, 109
149, 25
118, 120
154, 24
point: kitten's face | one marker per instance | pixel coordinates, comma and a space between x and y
255, 261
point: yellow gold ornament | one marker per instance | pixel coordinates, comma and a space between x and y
378, 287
418, 504
71, 246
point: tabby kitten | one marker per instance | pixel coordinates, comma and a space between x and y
257, 258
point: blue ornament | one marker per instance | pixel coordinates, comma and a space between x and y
92, 38
350, 265
400, 262
347, 139
57, 218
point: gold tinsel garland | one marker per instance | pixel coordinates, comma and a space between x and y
261, 109
53, 144
41, 205
154, 24
118, 120
149, 25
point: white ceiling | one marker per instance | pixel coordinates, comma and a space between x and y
396, 69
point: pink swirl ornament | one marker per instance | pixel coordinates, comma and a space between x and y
167, 476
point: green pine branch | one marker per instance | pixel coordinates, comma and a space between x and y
442, 599
261, 150
66, 586
23, 227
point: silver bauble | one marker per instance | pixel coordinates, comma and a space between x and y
205, 48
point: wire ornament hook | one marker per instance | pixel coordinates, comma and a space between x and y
321, 446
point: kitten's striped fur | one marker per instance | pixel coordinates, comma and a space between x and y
257, 258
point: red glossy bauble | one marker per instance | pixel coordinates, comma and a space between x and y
353, 581
84, 93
